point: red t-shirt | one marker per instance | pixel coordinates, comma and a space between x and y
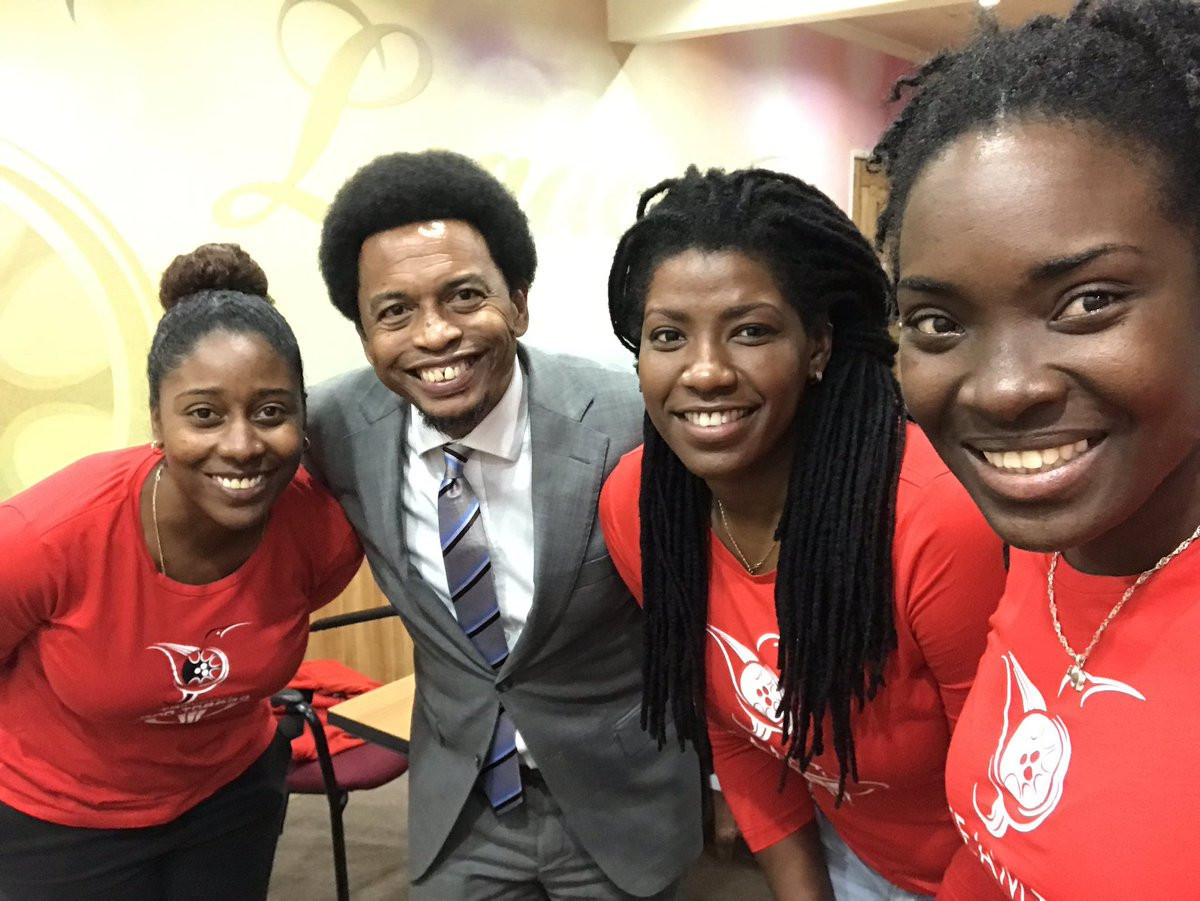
1085, 794
949, 572
125, 697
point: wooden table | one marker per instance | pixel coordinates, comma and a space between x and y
382, 715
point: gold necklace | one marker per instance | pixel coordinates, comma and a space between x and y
1075, 672
162, 563
753, 570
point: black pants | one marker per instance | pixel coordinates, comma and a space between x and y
222, 848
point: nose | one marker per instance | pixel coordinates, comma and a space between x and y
240, 440
1011, 381
707, 370
433, 331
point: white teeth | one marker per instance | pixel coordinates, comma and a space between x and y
443, 373
239, 484
1035, 460
707, 420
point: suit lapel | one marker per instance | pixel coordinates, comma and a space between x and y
389, 435
567, 471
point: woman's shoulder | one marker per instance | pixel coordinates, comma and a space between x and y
83, 489
625, 481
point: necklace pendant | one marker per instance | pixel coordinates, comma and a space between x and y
1077, 676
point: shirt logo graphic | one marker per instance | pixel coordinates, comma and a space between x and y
195, 671
1030, 763
756, 687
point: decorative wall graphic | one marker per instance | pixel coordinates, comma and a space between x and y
332, 94
75, 321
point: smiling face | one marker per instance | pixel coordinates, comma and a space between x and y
1050, 318
723, 364
439, 324
230, 417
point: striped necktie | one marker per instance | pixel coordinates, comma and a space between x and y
473, 593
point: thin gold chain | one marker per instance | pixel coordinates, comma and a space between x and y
753, 570
1080, 659
162, 563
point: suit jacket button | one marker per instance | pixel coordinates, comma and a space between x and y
478, 761
503, 685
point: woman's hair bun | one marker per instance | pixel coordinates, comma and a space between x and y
211, 267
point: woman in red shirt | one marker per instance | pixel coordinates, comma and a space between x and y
151, 601
1045, 225
816, 583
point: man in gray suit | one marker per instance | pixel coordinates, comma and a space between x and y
531, 775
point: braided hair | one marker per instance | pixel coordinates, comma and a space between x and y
1129, 68
833, 588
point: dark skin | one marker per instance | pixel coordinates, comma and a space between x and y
1043, 316
230, 420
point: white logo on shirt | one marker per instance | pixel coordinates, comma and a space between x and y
194, 671
756, 687
1030, 763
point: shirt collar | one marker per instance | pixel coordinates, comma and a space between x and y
499, 434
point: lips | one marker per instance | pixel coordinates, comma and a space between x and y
1045, 474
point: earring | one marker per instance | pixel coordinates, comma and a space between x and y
815, 378
156, 446
307, 443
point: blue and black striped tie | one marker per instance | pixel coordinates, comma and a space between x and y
473, 592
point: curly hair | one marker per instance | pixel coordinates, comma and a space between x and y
1130, 68
833, 590
210, 266
402, 188
216, 287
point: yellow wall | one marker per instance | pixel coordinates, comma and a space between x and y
131, 131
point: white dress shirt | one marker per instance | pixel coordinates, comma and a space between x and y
500, 472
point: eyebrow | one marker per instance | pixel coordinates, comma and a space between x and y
216, 392
1042, 272
734, 312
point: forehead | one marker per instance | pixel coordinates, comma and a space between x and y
434, 249
230, 361
713, 276
1028, 191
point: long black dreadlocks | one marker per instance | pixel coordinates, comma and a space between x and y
1129, 68
833, 591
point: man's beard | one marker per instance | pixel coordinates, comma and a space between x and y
458, 426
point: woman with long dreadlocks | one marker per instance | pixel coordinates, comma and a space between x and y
1050, 324
816, 583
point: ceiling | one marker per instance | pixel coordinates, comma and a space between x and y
915, 34
911, 29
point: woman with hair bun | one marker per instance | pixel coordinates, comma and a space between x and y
151, 601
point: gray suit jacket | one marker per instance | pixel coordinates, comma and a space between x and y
572, 683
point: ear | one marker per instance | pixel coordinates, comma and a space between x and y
156, 429
520, 302
821, 342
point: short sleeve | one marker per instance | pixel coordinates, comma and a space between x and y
338, 552
620, 522
27, 591
953, 574
749, 780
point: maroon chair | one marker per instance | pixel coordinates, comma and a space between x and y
336, 775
